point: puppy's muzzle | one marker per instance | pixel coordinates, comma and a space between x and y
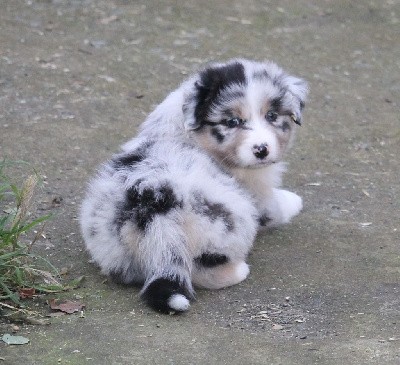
260, 151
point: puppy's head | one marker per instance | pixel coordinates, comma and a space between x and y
244, 113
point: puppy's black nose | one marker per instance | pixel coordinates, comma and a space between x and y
260, 151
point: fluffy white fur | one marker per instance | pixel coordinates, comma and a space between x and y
179, 302
182, 202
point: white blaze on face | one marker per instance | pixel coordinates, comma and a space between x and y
259, 132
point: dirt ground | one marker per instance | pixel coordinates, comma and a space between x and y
77, 78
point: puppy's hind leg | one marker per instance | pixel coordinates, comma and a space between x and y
214, 271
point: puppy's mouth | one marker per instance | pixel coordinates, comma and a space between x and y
255, 164
260, 164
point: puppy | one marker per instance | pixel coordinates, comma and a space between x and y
181, 204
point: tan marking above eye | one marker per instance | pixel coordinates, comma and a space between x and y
266, 106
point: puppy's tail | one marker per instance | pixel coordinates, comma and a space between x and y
167, 295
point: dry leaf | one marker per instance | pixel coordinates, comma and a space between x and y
66, 306
26, 293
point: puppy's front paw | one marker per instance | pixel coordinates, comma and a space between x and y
242, 270
290, 204
283, 206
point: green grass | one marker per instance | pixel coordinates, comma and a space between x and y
20, 269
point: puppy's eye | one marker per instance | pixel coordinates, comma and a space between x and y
271, 116
233, 123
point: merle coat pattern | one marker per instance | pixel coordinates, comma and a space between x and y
181, 204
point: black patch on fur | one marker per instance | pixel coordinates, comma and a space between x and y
264, 220
160, 291
141, 206
260, 75
208, 259
212, 81
276, 104
285, 126
128, 160
276, 80
218, 211
217, 134
213, 211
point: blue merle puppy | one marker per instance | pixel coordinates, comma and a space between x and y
181, 204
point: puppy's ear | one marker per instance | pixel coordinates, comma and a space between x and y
197, 100
206, 87
298, 88
189, 107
